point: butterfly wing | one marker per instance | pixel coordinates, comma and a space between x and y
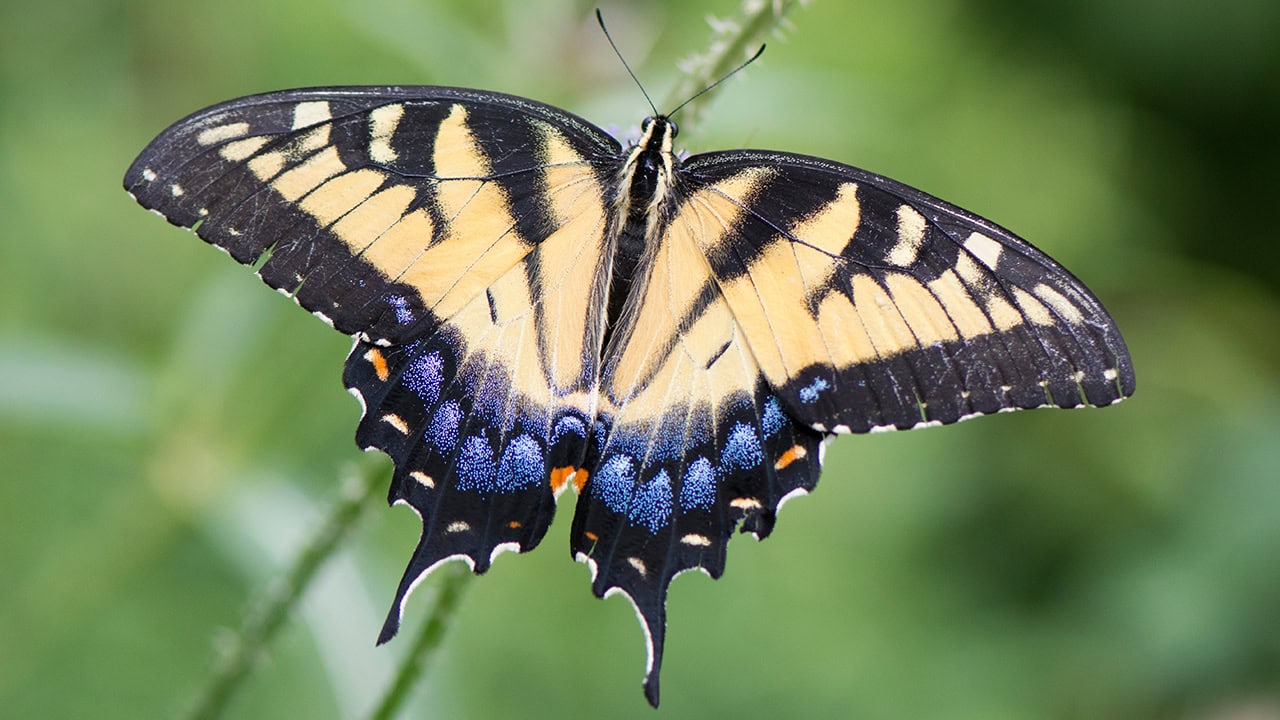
459, 236
791, 298
381, 209
693, 443
871, 305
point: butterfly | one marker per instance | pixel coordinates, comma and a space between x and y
536, 306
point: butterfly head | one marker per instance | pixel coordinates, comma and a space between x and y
657, 134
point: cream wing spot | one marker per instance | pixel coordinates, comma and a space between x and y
984, 248
306, 114
1060, 304
830, 228
1002, 314
268, 165
396, 422
965, 314
889, 333
1033, 308
220, 133
383, 122
911, 229
241, 149
922, 311
298, 181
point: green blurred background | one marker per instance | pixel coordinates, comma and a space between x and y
171, 431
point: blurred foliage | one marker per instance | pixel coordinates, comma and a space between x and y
171, 431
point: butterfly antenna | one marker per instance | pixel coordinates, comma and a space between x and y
712, 86
616, 51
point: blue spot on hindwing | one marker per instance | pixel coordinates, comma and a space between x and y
742, 449
443, 430
698, 491
651, 505
809, 393
614, 481
522, 465
568, 425
773, 419
424, 376
400, 304
475, 466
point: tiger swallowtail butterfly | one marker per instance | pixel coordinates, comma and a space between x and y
535, 305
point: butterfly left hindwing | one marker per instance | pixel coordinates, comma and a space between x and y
534, 306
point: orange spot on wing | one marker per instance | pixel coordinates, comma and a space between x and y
561, 475
379, 363
513, 524
791, 455
591, 536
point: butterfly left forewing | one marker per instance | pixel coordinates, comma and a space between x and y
380, 209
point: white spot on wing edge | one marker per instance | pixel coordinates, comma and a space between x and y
148, 174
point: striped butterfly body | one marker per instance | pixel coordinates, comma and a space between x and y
535, 306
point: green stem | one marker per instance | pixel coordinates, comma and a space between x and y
454, 578
263, 620
733, 38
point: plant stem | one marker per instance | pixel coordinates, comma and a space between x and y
262, 621
731, 41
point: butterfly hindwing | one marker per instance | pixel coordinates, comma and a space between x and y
692, 443
871, 305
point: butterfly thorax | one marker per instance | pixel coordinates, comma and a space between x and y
644, 187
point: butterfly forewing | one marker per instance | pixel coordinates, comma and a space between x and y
870, 305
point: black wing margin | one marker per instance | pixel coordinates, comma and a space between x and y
871, 305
